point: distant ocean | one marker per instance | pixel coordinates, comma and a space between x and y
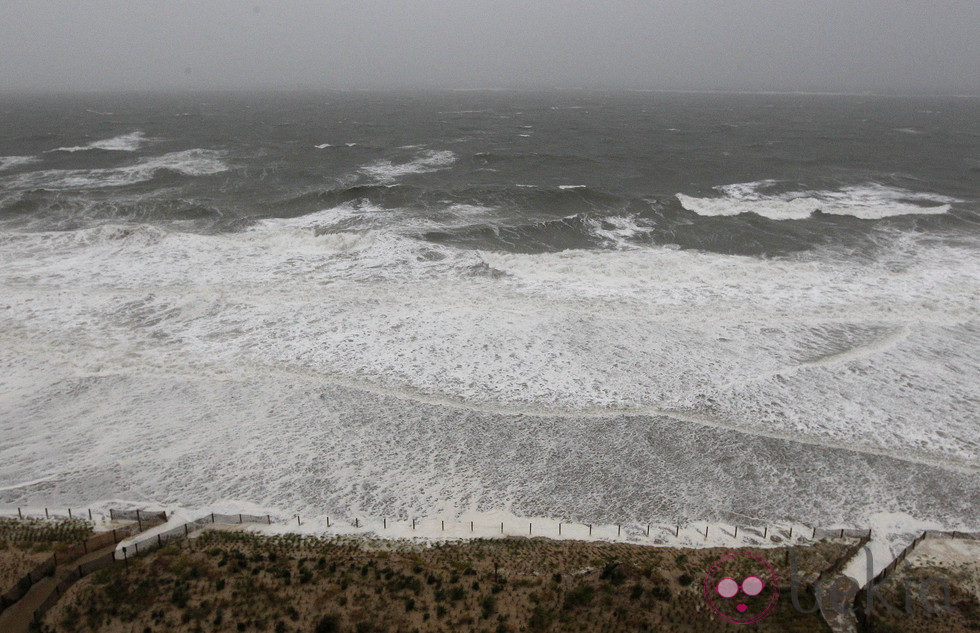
590, 306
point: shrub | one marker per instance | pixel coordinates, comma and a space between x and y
580, 596
613, 572
179, 596
540, 619
685, 579
329, 623
489, 605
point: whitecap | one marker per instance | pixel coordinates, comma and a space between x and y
193, 162
870, 201
431, 160
123, 143
11, 162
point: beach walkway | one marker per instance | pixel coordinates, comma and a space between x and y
17, 617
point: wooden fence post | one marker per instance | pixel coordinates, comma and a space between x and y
328, 521
385, 523
413, 523
268, 520
529, 529
559, 529
619, 529
443, 525
357, 522
590, 529
90, 514
46, 514
765, 532
501, 527
239, 518
19, 515
736, 531
297, 520
471, 526
648, 530
69, 514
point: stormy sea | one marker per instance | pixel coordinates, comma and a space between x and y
582, 305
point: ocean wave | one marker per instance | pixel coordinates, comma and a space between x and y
193, 162
870, 201
813, 347
12, 162
123, 143
430, 160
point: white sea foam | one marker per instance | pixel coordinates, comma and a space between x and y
430, 160
193, 162
323, 146
12, 162
868, 202
123, 143
617, 230
328, 361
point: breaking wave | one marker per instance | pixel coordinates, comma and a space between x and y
871, 201
430, 160
12, 162
123, 143
193, 162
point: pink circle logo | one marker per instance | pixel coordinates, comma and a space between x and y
741, 587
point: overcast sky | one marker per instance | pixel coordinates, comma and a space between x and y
835, 45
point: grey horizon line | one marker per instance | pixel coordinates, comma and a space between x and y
438, 89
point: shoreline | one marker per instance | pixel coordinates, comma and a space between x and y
887, 530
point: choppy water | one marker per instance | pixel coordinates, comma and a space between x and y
581, 305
